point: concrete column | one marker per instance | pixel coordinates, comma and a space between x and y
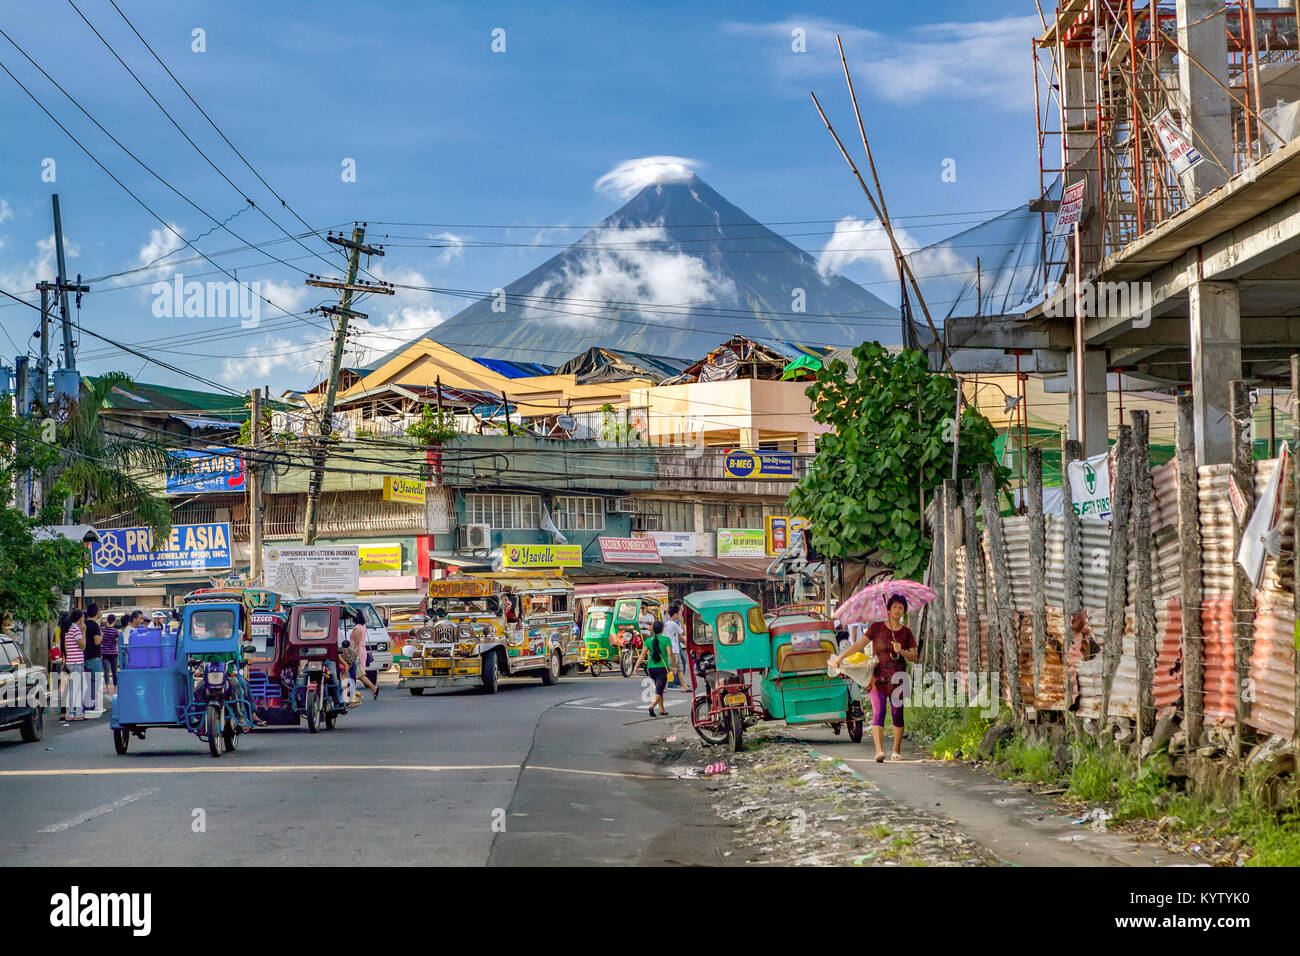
1214, 325
1095, 411
1207, 113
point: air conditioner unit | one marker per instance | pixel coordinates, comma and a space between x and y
620, 506
475, 537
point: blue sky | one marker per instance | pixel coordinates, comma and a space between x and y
457, 138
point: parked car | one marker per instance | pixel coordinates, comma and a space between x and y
23, 690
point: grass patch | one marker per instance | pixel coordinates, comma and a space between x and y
1022, 760
953, 732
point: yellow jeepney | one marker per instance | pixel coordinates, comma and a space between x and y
485, 626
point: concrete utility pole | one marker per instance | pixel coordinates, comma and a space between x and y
351, 286
67, 383
255, 492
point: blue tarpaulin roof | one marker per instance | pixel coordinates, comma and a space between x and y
515, 369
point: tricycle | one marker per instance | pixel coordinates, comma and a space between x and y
192, 678
310, 664
614, 633
730, 644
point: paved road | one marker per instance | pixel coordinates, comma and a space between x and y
533, 775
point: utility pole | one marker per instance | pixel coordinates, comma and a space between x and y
255, 492
67, 384
356, 246
43, 393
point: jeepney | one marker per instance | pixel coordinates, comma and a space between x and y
486, 626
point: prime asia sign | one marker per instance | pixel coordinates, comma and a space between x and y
199, 547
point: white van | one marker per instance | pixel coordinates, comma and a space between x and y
378, 642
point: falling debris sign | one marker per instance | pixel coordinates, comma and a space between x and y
1071, 209
1176, 144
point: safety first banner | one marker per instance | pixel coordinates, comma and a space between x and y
188, 547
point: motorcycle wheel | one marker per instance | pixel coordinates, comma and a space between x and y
121, 740
737, 730
593, 668
312, 705
626, 662
329, 716
228, 737
212, 728
711, 734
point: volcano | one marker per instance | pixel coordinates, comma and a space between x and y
674, 272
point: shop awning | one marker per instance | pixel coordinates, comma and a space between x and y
722, 569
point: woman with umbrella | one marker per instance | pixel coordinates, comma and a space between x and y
894, 647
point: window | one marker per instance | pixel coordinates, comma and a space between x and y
757, 623
504, 512
732, 516
8, 657
314, 624
672, 515
731, 629
580, 513
212, 625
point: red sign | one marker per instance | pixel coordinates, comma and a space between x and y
644, 550
1071, 209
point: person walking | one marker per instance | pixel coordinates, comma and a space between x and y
108, 650
74, 655
94, 660
357, 637
677, 634
656, 652
894, 646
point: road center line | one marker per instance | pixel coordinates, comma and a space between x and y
313, 768
98, 811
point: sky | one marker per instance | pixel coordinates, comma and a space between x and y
475, 140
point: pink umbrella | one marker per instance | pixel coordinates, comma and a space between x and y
868, 604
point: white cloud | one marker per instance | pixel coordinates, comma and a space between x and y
6, 210
635, 273
632, 175
455, 247
984, 60
42, 266
162, 243
859, 240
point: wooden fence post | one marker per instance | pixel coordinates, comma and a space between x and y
1037, 564
1004, 619
939, 581
1189, 574
950, 622
1243, 592
1121, 486
974, 577
1295, 511
1144, 625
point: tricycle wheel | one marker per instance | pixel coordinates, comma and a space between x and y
626, 662
212, 728
311, 710
737, 731
593, 668
712, 734
856, 725
121, 740
416, 691
228, 737
329, 717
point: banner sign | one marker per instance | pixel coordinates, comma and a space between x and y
541, 555
1071, 209
757, 464
189, 547
780, 531
1176, 144
212, 470
405, 490
1090, 486
672, 544
643, 550
379, 557
742, 543
310, 571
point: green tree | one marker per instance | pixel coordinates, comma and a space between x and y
33, 573
434, 426
892, 436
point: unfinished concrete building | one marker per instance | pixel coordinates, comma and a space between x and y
1183, 269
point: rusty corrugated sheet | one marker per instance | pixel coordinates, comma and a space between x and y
1051, 682
1166, 581
1164, 496
1094, 552
1219, 681
1218, 546
1272, 664
1168, 681
1086, 673
963, 647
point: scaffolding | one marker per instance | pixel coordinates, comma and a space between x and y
1104, 70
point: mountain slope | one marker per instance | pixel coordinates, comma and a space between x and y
677, 270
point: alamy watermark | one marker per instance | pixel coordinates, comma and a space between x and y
1120, 300
178, 299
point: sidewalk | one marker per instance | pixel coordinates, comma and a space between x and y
1023, 828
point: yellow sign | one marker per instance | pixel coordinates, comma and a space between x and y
781, 530
379, 557
452, 588
405, 490
541, 556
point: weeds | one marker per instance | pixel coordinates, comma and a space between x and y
1032, 762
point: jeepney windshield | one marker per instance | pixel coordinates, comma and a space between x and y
483, 605
215, 624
